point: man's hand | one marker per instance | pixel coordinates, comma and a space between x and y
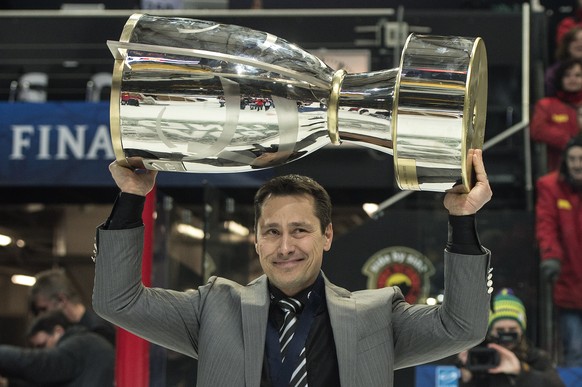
137, 182
469, 203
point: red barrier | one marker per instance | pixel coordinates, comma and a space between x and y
132, 368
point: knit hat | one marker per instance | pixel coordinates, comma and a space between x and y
507, 306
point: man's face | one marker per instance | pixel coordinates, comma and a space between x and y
290, 243
43, 304
46, 340
574, 163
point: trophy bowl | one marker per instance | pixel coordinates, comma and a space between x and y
199, 96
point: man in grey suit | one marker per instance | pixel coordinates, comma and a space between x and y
341, 337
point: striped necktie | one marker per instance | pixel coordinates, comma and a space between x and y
291, 307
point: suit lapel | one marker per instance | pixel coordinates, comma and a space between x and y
255, 310
342, 314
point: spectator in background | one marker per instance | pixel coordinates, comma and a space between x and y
569, 48
558, 232
555, 119
53, 290
520, 363
63, 355
569, 22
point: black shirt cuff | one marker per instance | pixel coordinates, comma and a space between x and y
463, 237
126, 212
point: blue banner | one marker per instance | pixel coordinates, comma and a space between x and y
69, 144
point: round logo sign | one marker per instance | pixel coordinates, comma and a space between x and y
403, 267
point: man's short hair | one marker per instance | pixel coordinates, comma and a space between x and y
47, 322
53, 284
296, 185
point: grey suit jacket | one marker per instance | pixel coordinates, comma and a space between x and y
224, 324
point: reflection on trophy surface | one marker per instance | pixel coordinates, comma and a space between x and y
198, 96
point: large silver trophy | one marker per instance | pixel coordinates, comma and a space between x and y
199, 96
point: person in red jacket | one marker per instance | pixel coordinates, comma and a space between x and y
558, 231
569, 22
569, 48
554, 120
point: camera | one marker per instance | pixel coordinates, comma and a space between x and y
481, 359
505, 338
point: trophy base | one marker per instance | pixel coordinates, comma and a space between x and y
439, 111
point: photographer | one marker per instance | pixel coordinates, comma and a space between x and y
506, 358
62, 354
